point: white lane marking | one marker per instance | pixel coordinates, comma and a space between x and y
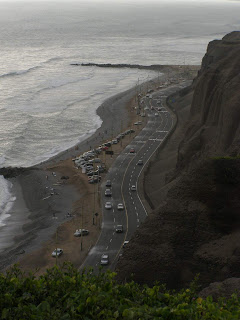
114, 232
113, 210
133, 203
135, 208
107, 248
137, 214
137, 220
110, 240
114, 220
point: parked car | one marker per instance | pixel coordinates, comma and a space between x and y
132, 150
108, 193
81, 232
108, 183
133, 188
119, 229
138, 123
120, 206
108, 144
90, 173
156, 114
57, 252
108, 205
114, 141
104, 259
140, 162
100, 169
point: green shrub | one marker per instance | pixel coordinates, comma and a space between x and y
65, 293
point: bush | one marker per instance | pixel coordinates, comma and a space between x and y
65, 293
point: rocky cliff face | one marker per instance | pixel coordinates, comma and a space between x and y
195, 225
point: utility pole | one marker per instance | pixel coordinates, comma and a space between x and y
56, 261
121, 132
82, 230
93, 204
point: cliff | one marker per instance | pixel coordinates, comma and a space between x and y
194, 183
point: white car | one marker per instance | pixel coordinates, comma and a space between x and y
133, 188
80, 232
108, 205
104, 259
125, 243
57, 252
156, 114
120, 206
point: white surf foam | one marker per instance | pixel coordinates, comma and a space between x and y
6, 200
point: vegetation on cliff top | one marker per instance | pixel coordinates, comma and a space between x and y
65, 293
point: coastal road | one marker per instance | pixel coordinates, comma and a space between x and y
125, 173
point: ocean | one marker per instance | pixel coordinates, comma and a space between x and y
48, 105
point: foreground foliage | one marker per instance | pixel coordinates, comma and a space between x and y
64, 293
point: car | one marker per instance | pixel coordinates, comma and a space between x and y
108, 183
57, 252
90, 173
104, 259
138, 123
119, 229
156, 114
132, 150
133, 188
81, 232
120, 206
108, 205
114, 141
108, 144
105, 148
132, 131
125, 243
100, 169
95, 179
140, 162
108, 193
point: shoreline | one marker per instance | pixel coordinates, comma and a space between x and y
46, 216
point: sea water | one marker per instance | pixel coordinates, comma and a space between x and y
48, 105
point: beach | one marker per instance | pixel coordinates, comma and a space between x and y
49, 207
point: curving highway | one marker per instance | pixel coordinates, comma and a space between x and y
123, 175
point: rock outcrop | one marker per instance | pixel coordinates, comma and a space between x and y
194, 228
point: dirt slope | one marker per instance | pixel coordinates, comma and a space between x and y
194, 183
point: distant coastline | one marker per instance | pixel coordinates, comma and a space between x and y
155, 67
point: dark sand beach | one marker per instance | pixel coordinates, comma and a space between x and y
39, 220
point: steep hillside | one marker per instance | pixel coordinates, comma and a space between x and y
194, 227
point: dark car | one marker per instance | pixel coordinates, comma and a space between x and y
108, 183
119, 229
108, 193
